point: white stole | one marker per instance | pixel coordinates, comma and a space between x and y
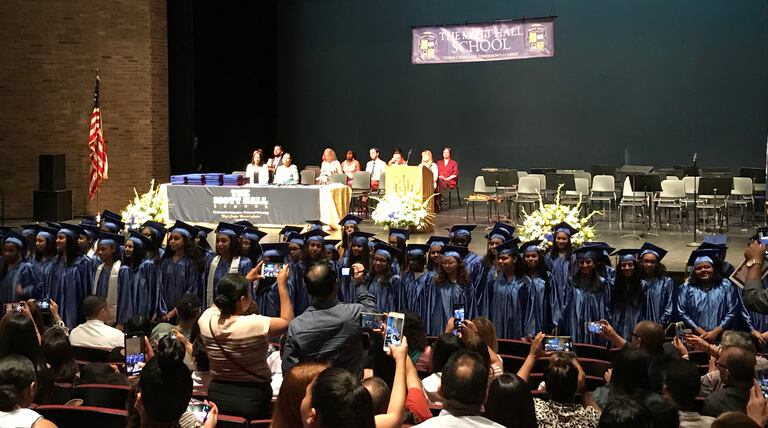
233, 268
111, 289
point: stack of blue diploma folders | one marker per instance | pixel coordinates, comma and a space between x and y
233, 180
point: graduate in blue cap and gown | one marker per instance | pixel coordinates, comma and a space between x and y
534, 272
416, 281
111, 222
708, 303
142, 273
296, 269
436, 244
69, 278
331, 250
500, 234
87, 238
19, 280
181, 269
451, 286
44, 250
508, 293
228, 259
349, 224
658, 288
312, 252
461, 236
397, 238
250, 243
561, 264
156, 232
718, 242
588, 298
381, 283
265, 292
604, 268
357, 252
201, 240
113, 282
628, 296
287, 231
29, 232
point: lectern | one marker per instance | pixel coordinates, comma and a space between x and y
404, 179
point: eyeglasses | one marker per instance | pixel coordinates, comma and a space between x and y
720, 365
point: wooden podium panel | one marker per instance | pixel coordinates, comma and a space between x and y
403, 179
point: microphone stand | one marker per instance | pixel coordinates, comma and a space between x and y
695, 242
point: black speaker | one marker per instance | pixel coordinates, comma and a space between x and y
52, 205
52, 174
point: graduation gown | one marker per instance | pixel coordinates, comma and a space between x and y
508, 305
267, 298
24, 274
476, 272
416, 294
560, 272
625, 317
243, 267
125, 304
299, 295
718, 306
346, 292
582, 306
389, 297
659, 300
174, 279
441, 298
143, 283
68, 285
536, 308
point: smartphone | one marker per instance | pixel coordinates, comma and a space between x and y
270, 269
44, 305
558, 343
394, 334
200, 410
372, 321
13, 307
593, 327
680, 330
134, 354
458, 317
345, 271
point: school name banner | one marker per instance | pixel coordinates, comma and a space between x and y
497, 41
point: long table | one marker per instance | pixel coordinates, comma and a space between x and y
266, 205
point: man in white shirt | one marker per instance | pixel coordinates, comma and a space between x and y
376, 167
464, 389
94, 333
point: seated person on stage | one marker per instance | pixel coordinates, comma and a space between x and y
329, 166
287, 173
350, 166
397, 157
276, 160
256, 171
94, 333
426, 160
376, 167
447, 171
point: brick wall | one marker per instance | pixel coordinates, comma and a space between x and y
49, 53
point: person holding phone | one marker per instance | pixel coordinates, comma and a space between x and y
237, 341
588, 298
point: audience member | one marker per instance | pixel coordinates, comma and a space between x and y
445, 346
757, 406
328, 330
681, 385
711, 381
237, 345
380, 394
737, 372
376, 167
415, 401
102, 373
201, 375
287, 413
188, 310
624, 412
734, 420
286, 173
94, 333
420, 351
510, 402
139, 324
19, 336
17, 390
464, 390
59, 356
37, 316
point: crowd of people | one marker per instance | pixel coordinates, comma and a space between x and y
246, 322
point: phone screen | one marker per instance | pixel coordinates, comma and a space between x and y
394, 334
458, 317
44, 305
200, 410
12, 307
270, 269
344, 271
557, 343
134, 355
594, 327
680, 330
373, 321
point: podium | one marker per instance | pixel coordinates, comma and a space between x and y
404, 179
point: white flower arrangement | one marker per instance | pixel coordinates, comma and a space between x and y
539, 224
403, 211
149, 206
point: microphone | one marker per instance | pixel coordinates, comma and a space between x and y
694, 157
407, 158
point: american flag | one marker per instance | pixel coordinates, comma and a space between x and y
96, 147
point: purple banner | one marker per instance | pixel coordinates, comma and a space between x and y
497, 41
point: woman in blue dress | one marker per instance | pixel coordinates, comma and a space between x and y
451, 286
19, 280
111, 281
560, 263
142, 273
228, 259
69, 279
357, 252
180, 271
381, 283
588, 298
508, 293
535, 273
657, 286
708, 303
416, 282
628, 296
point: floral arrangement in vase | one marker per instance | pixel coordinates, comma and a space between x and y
406, 211
539, 223
145, 207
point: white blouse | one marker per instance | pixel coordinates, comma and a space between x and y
257, 174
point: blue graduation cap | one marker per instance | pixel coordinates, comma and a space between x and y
587, 252
71, 230
509, 247
501, 233
702, 256
331, 246
417, 249
277, 250
350, 219
229, 229
203, 231
111, 215
360, 238
32, 227
245, 223
158, 227
5, 229
92, 232
139, 239
287, 230
375, 241
113, 225
716, 240
403, 234
253, 234
626, 254
106, 238
15, 238
648, 248
531, 246
315, 224
295, 238
89, 220
438, 241
462, 230
382, 249
48, 232
315, 235
564, 228
455, 251
185, 229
